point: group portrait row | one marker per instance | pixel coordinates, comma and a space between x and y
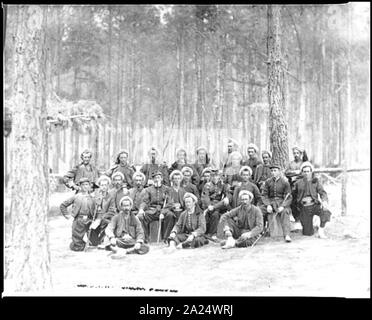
188, 205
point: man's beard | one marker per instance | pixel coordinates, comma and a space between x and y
126, 211
157, 184
245, 206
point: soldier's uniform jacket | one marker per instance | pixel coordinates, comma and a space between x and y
176, 166
275, 191
290, 171
119, 226
149, 168
246, 219
105, 205
77, 201
136, 194
213, 194
153, 198
177, 196
189, 187
250, 187
126, 170
263, 172
312, 188
198, 224
72, 177
252, 163
117, 195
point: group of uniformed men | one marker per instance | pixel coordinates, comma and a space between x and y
194, 203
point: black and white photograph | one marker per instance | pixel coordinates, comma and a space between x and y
216, 150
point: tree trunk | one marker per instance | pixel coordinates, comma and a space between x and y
278, 125
28, 267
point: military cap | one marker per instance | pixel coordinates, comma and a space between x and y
103, 178
267, 152
275, 165
139, 173
298, 148
184, 169
206, 170
233, 141
82, 180
126, 198
85, 152
252, 146
215, 171
307, 164
190, 195
157, 173
201, 148
181, 149
244, 168
175, 172
250, 194
118, 173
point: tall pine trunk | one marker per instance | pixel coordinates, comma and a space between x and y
277, 123
28, 260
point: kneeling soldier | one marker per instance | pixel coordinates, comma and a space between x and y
305, 192
190, 227
242, 225
83, 213
125, 230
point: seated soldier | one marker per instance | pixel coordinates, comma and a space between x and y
154, 165
125, 231
122, 165
83, 170
186, 183
83, 212
215, 199
263, 171
306, 191
231, 175
190, 227
156, 203
176, 193
136, 193
277, 198
181, 162
204, 178
242, 225
105, 210
119, 189
246, 173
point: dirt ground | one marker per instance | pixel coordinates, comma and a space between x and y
308, 266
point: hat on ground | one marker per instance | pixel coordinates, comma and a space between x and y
190, 195
175, 172
252, 146
244, 168
117, 173
139, 173
82, 180
266, 152
103, 178
184, 169
157, 173
275, 165
127, 198
307, 164
243, 192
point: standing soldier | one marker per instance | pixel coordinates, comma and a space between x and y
246, 173
176, 193
242, 225
181, 162
216, 199
148, 169
232, 176
232, 145
156, 203
190, 227
136, 193
202, 161
83, 170
122, 165
83, 212
125, 231
263, 171
277, 198
253, 161
306, 192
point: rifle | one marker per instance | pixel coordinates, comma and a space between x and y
264, 231
90, 230
159, 229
